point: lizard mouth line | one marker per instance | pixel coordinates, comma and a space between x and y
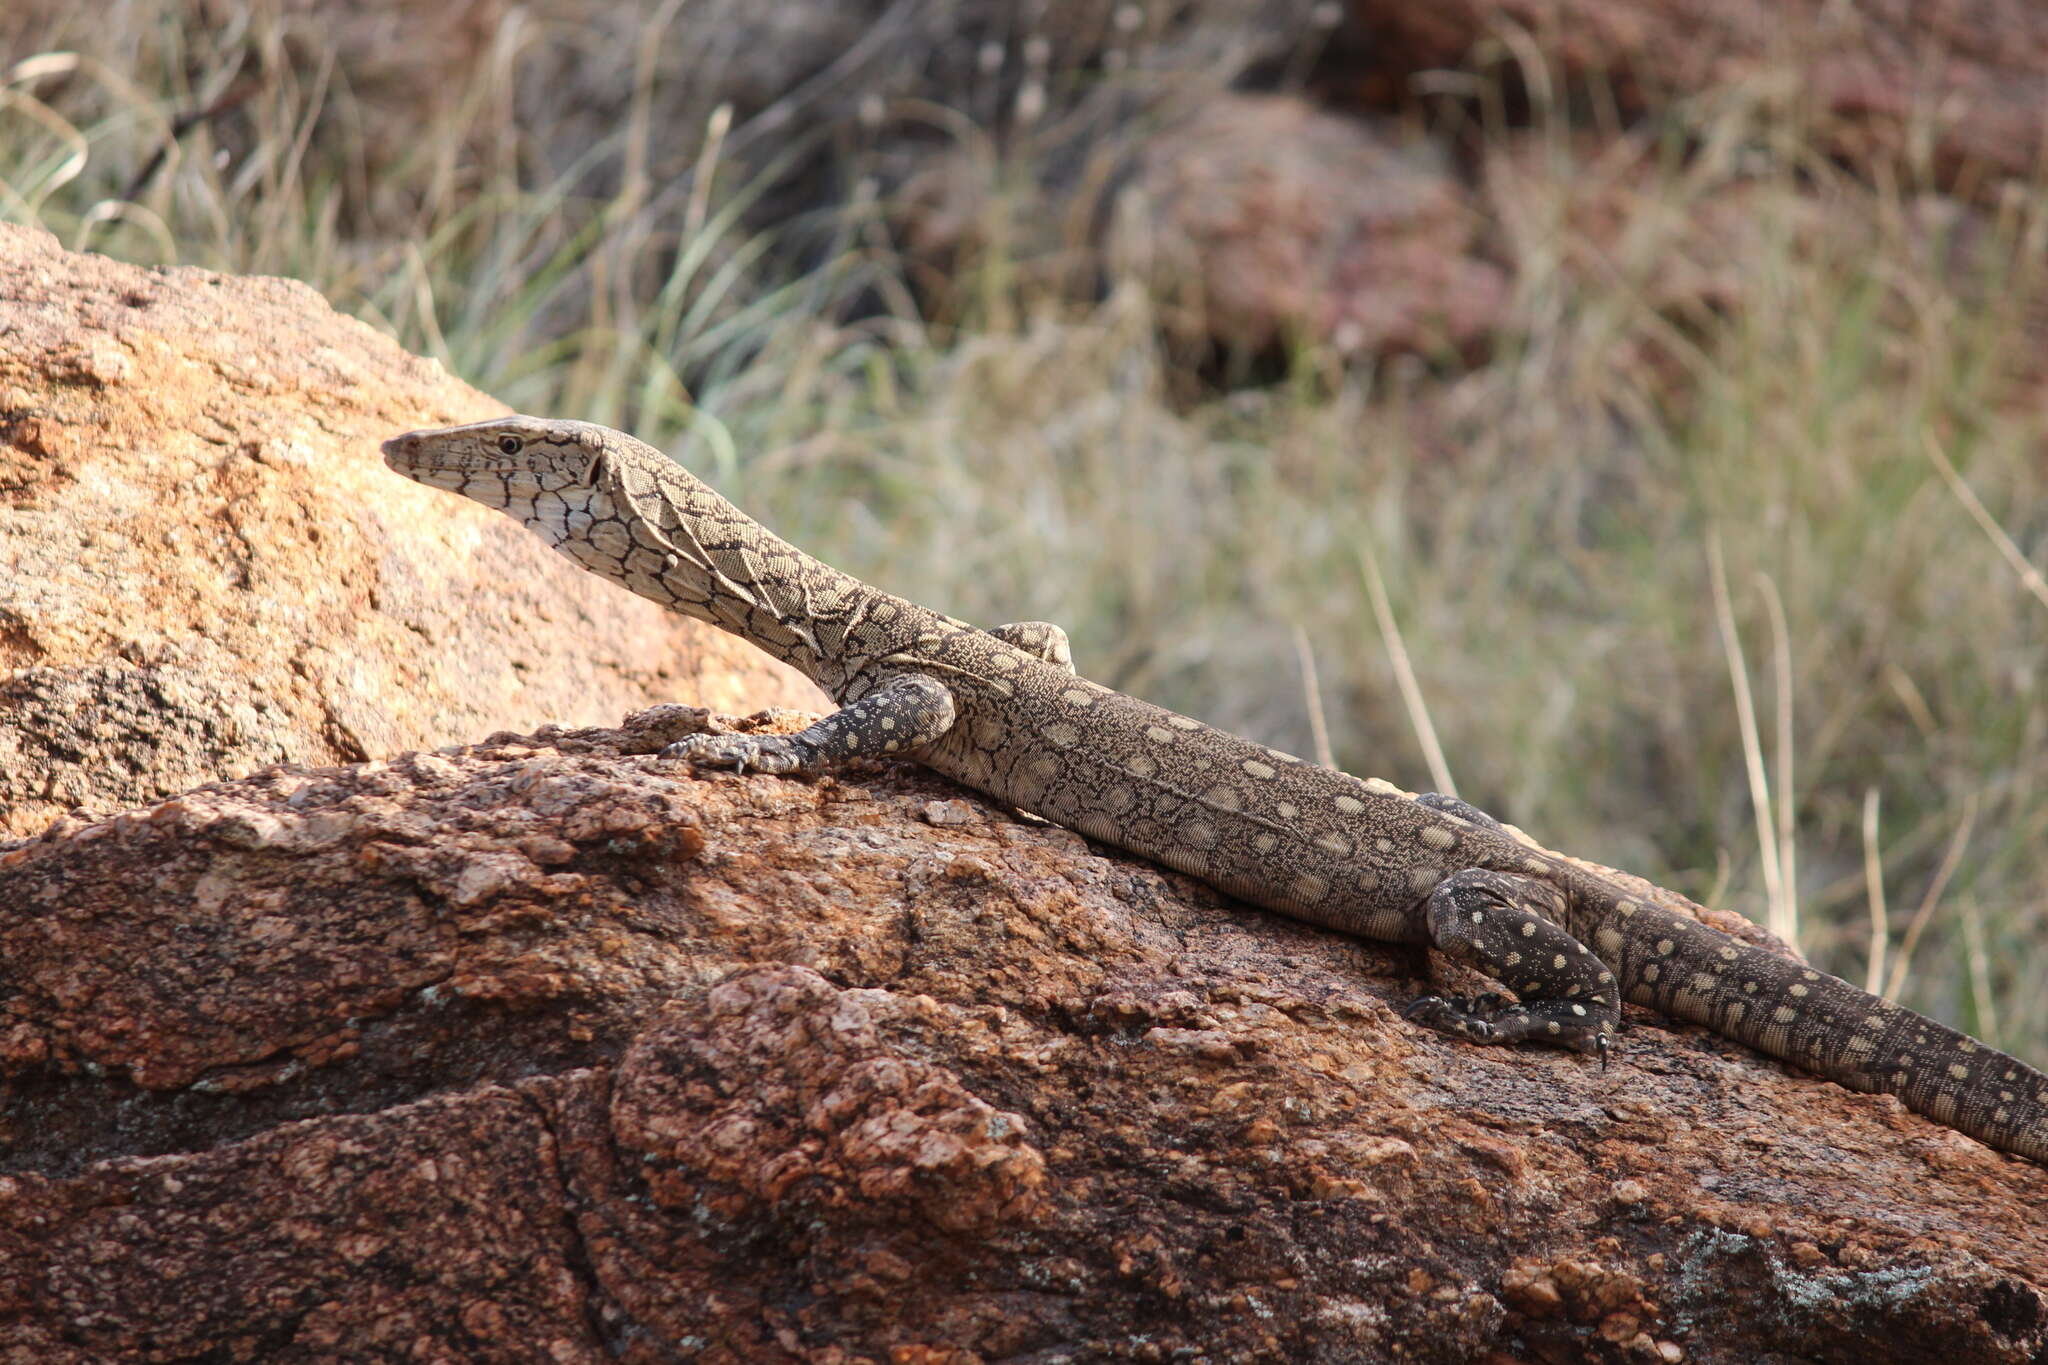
409, 462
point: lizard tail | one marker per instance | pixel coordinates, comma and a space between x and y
1829, 1027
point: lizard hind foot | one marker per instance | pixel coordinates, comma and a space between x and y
1497, 1019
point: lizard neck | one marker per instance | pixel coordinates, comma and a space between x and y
667, 536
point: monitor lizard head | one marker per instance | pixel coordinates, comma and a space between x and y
509, 463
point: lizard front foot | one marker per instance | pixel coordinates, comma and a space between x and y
1497, 1019
762, 753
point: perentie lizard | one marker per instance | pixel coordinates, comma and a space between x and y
1003, 711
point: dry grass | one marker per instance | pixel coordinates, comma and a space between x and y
1542, 523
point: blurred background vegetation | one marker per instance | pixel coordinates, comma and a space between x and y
1650, 446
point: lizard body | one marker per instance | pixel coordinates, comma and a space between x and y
1003, 711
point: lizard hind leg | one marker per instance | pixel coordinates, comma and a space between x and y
1464, 810
1502, 925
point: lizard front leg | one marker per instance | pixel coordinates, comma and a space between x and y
903, 713
1501, 924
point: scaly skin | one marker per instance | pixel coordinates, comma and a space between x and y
1002, 711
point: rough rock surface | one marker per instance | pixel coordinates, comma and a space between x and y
205, 566
595, 1059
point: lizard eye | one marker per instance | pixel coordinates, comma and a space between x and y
509, 444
